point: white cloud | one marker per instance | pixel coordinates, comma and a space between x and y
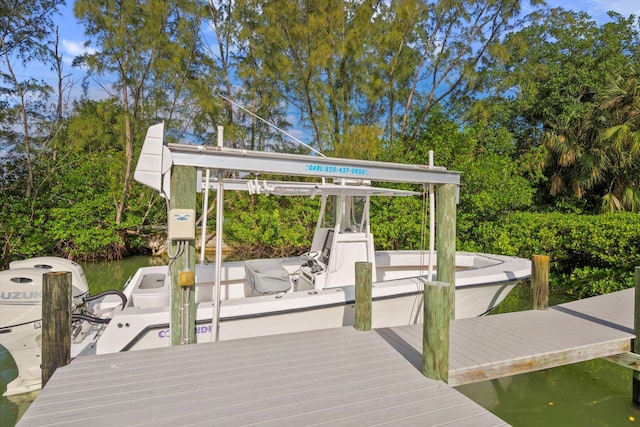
597, 9
76, 49
623, 7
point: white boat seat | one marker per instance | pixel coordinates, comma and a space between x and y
267, 276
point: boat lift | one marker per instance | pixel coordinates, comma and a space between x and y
157, 159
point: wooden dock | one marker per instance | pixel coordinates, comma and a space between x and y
498, 346
335, 376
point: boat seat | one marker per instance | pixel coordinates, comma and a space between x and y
267, 276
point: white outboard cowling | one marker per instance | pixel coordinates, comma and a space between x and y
47, 264
21, 288
20, 296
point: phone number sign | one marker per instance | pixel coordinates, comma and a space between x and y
344, 170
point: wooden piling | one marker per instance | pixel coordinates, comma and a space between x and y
540, 282
435, 332
56, 322
446, 238
363, 296
636, 341
183, 196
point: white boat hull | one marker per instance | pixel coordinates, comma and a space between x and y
396, 302
482, 282
387, 312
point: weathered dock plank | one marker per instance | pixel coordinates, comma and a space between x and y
335, 377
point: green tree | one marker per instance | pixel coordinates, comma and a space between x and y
153, 51
367, 65
25, 38
493, 181
309, 51
543, 84
30, 121
250, 127
622, 103
453, 38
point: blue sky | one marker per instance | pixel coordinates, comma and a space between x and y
72, 35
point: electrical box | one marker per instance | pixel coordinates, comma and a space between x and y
186, 278
182, 224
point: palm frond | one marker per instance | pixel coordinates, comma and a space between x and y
610, 203
631, 199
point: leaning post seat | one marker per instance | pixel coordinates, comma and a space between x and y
267, 276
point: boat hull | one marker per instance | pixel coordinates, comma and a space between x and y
328, 311
482, 282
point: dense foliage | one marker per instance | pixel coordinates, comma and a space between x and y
539, 111
269, 225
565, 88
591, 254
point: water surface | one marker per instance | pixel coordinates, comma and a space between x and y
592, 393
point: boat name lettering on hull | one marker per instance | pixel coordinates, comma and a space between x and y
166, 333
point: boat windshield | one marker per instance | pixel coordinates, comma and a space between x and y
359, 214
346, 213
329, 216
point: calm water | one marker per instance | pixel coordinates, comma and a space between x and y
595, 393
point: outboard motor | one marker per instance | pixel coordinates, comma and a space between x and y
21, 314
47, 264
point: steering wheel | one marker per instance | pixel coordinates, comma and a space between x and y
308, 256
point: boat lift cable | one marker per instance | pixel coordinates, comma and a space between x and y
423, 230
186, 297
115, 292
432, 214
89, 318
432, 228
235, 104
215, 319
205, 207
417, 308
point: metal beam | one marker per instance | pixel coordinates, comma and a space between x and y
305, 165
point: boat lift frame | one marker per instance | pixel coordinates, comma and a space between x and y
157, 159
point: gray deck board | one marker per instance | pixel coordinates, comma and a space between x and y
335, 377
507, 344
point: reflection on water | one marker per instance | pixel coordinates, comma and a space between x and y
592, 393
595, 393
9, 411
106, 275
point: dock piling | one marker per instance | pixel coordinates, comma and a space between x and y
438, 305
183, 303
446, 236
56, 322
363, 296
540, 282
